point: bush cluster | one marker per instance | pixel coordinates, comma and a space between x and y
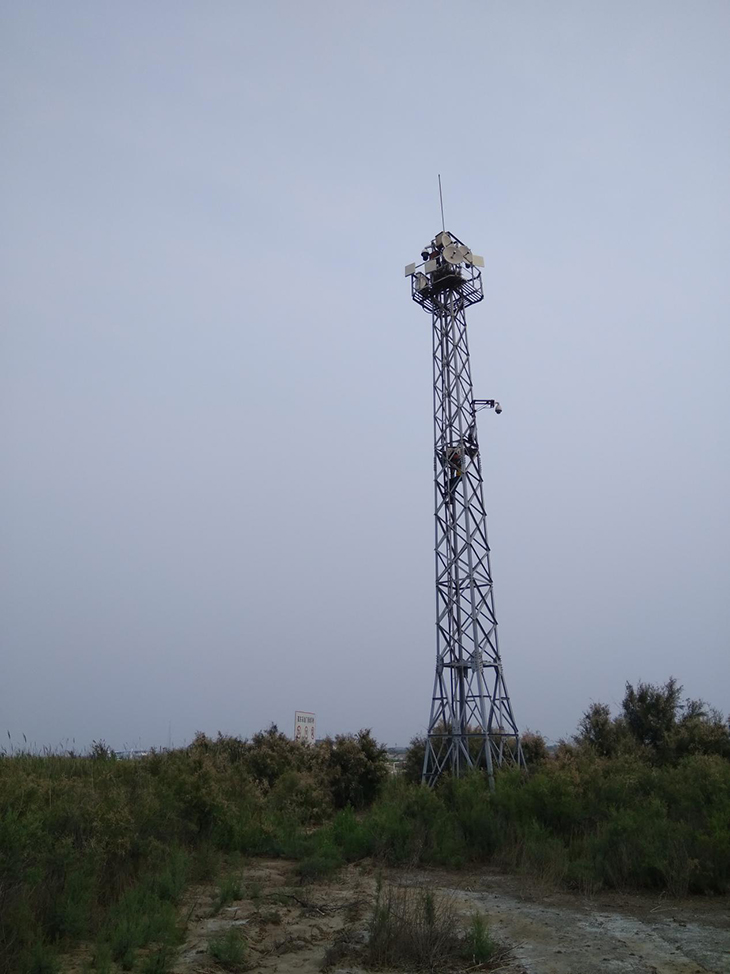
99, 850
579, 818
655, 723
639, 799
93, 848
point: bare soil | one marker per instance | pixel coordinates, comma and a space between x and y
290, 927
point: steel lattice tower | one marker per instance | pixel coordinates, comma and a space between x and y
471, 723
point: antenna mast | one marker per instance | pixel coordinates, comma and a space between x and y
471, 723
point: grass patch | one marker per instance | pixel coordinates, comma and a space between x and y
418, 929
101, 960
478, 946
255, 892
205, 863
411, 928
41, 960
158, 962
229, 890
318, 867
228, 949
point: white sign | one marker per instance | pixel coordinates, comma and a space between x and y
305, 727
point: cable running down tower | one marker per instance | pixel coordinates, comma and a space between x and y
471, 723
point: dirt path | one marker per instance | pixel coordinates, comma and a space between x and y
560, 933
289, 927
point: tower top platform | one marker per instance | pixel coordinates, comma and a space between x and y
447, 267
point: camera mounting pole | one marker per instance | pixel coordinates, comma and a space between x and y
477, 404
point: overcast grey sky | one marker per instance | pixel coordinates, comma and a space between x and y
216, 497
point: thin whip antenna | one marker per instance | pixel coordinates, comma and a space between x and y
441, 199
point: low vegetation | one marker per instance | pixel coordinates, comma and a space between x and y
99, 850
636, 800
417, 929
229, 949
229, 891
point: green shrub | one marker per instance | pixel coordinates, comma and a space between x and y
124, 938
413, 762
271, 754
472, 808
41, 960
324, 860
158, 962
543, 855
479, 947
101, 961
534, 749
204, 863
255, 892
410, 824
351, 835
228, 949
650, 712
169, 883
305, 796
655, 722
355, 766
412, 928
229, 890
591, 822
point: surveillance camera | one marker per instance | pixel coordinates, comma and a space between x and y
497, 408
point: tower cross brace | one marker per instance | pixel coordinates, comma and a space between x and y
471, 723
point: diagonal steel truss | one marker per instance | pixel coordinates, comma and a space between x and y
471, 723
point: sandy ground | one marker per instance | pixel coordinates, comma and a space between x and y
561, 933
289, 927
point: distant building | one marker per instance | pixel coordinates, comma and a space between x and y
396, 759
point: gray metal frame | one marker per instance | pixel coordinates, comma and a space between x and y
471, 724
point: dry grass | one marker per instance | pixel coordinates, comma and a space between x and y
418, 929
